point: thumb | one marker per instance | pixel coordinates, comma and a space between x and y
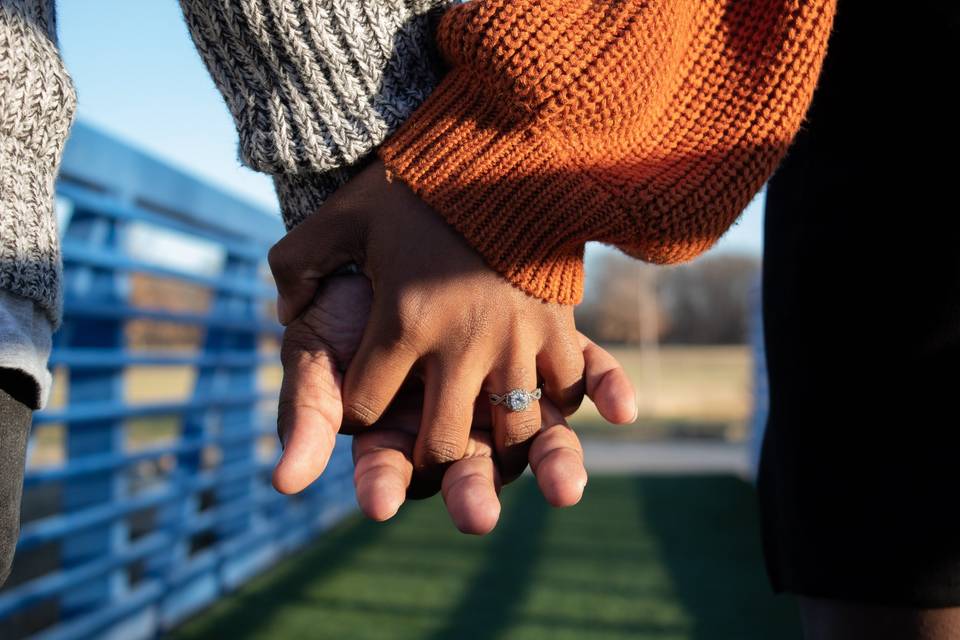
309, 411
608, 385
302, 258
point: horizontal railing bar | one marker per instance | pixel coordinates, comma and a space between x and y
107, 358
116, 410
88, 625
295, 514
76, 307
56, 526
74, 251
55, 583
210, 518
253, 249
87, 465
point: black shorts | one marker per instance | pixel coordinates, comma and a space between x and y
859, 477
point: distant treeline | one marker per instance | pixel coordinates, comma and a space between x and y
704, 302
628, 301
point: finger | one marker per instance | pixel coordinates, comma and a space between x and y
314, 249
405, 415
378, 371
382, 471
309, 411
426, 485
561, 367
470, 488
451, 389
514, 429
608, 384
556, 458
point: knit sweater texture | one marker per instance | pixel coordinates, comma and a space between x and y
646, 124
315, 85
37, 103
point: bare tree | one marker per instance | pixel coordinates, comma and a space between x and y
705, 302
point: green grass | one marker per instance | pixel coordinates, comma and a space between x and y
654, 557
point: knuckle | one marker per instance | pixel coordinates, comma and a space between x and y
296, 339
277, 258
403, 346
521, 431
440, 451
304, 350
360, 412
411, 319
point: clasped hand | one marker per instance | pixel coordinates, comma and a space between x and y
406, 357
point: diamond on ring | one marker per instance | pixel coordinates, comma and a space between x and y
517, 399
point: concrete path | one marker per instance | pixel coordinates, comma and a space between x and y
604, 456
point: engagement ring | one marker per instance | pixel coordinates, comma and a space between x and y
516, 400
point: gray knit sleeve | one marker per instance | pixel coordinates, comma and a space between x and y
315, 85
37, 103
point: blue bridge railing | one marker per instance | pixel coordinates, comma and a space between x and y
126, 533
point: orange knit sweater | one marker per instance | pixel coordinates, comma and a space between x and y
646, 124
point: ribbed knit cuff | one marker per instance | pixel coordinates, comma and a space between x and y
30, 263
302, 194
476, 170
25, 343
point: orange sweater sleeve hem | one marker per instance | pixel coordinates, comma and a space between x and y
492, 182
648, 125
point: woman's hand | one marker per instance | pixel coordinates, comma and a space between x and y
322, 341
438, 311
384, 475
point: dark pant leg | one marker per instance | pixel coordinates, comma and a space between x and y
14, 431
859, 479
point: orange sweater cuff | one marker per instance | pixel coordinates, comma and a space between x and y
482, 168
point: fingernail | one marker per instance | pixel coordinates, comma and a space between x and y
636, 412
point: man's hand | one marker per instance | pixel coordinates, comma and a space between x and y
320, 344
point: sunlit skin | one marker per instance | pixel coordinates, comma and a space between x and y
321, 343
438, 312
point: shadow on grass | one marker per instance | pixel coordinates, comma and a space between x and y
673, 558
708, 535
498, 571
489, 604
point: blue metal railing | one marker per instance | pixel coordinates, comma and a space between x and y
130, 554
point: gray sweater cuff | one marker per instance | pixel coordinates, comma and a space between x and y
301, 194
25, 342
315, 86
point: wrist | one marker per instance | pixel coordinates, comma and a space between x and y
502, 184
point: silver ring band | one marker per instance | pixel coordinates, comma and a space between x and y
517, 399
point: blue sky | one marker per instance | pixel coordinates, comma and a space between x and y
139, 78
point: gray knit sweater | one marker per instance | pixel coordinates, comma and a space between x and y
313, 85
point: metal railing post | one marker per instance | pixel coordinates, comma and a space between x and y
99, 437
